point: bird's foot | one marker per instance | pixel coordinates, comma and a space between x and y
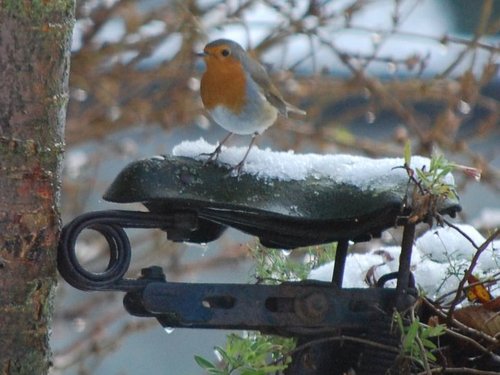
237, 169
212, 156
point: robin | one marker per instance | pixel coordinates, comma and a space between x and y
238, 94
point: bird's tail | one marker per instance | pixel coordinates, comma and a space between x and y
290, 108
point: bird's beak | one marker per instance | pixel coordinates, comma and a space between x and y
201, 54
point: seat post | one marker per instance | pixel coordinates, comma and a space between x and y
405, 262
340, 258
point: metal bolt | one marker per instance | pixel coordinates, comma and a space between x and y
312, 307
153, 273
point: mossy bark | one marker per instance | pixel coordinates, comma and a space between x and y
35, 38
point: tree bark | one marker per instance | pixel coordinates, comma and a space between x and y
35, 39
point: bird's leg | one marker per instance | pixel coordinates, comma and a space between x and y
237, 167
212, 156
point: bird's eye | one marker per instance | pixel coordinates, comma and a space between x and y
225, 52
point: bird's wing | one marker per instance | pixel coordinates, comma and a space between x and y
272, 94
259, 74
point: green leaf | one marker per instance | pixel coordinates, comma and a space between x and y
409, 340
204, 363
428, 344
216, 371
434, 331
438, 330
430, 356
227, 358
251, 371
407, 153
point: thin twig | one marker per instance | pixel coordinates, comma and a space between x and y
485, 15
344, 338
464, 328
468, 273
470, 341
443, 40
465, 235
490, 281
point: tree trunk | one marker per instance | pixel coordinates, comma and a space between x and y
35, 38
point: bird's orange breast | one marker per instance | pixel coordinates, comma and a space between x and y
223, 83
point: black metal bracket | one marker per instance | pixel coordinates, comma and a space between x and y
308, 310
291, 307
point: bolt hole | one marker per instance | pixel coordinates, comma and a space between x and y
219, 302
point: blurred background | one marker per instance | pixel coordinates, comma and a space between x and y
371, 75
